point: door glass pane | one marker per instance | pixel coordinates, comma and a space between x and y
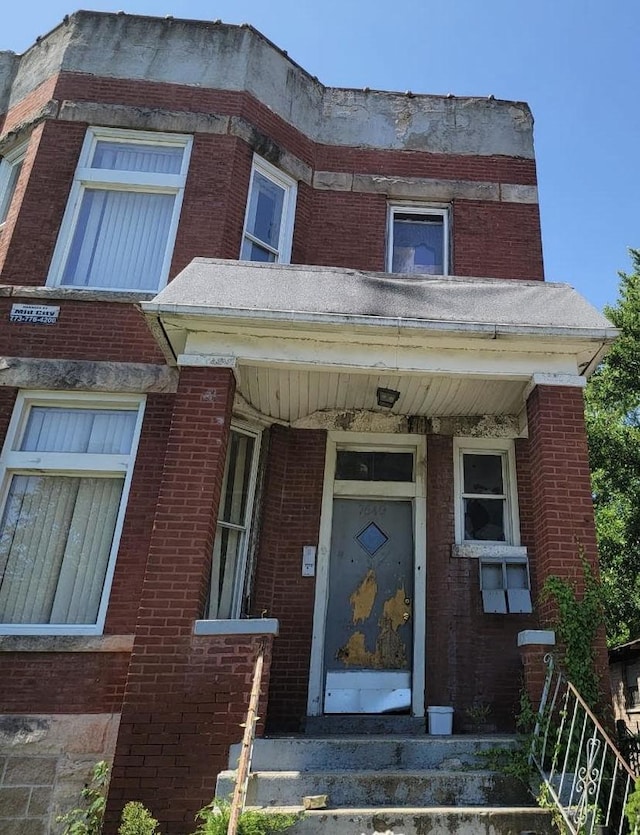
120, 240
418, 244
130, 156
352, 465
55, 540
265, 210
484, 519
106, 431
483, 474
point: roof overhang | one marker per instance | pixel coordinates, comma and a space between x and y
367, 329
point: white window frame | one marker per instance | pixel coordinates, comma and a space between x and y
505, 600
487, 446
106, 179
283, 251
8, 165
241, 585
419, 209
16, 462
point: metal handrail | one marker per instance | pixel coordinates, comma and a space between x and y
583, 772
246, 750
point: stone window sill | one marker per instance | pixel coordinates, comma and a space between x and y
477, 550
74, 294
249, 626
66, 643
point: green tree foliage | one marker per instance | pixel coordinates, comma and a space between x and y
613, 425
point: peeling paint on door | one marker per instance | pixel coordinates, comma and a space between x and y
390, 650
395, 609
363, 597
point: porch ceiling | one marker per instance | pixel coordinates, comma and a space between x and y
289, 395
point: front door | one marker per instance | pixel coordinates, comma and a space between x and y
369, 625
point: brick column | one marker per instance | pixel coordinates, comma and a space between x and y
561, 497
169, 744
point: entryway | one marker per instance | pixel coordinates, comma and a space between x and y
368, 649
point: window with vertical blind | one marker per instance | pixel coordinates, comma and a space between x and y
231, 547
10, 167
268, 223
121, 220
66, 469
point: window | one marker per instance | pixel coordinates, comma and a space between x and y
353, 465
66, 469
418, 241
486, 504
231, 546
268, 223
504, 584
121, 220
10, 167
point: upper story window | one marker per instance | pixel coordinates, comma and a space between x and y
65, 472
418, 240
10, 167
268, 223
485, 487
120, 224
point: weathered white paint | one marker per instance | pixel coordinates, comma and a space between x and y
547, 379
415, 491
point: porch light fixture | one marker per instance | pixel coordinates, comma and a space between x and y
387, 397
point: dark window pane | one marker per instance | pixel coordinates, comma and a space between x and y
374, 466
484, 519
483, 474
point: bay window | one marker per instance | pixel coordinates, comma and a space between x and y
121, 220
66, 469
268, 224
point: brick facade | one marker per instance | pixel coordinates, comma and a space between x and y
180, 697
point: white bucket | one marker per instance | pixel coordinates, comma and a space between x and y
440, 720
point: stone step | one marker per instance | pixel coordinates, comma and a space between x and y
375, 752
380, 788
420, 821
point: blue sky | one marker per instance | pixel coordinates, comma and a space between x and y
576, 62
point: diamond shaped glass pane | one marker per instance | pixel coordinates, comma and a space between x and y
372, 538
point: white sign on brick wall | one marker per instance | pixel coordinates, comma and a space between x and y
39, 314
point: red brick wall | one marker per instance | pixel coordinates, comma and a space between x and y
345, 229
85, 330
422, 164
170, 750
497, 240
214, 200
62, 682
41, 197
470, 655
562, 506
182, 698
291, 519
126, 588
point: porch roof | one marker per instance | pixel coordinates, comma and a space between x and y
304, 340
210, 286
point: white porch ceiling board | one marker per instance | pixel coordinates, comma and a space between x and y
292, 394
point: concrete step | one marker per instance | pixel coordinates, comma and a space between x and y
419, 821
377, 753
380, 788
